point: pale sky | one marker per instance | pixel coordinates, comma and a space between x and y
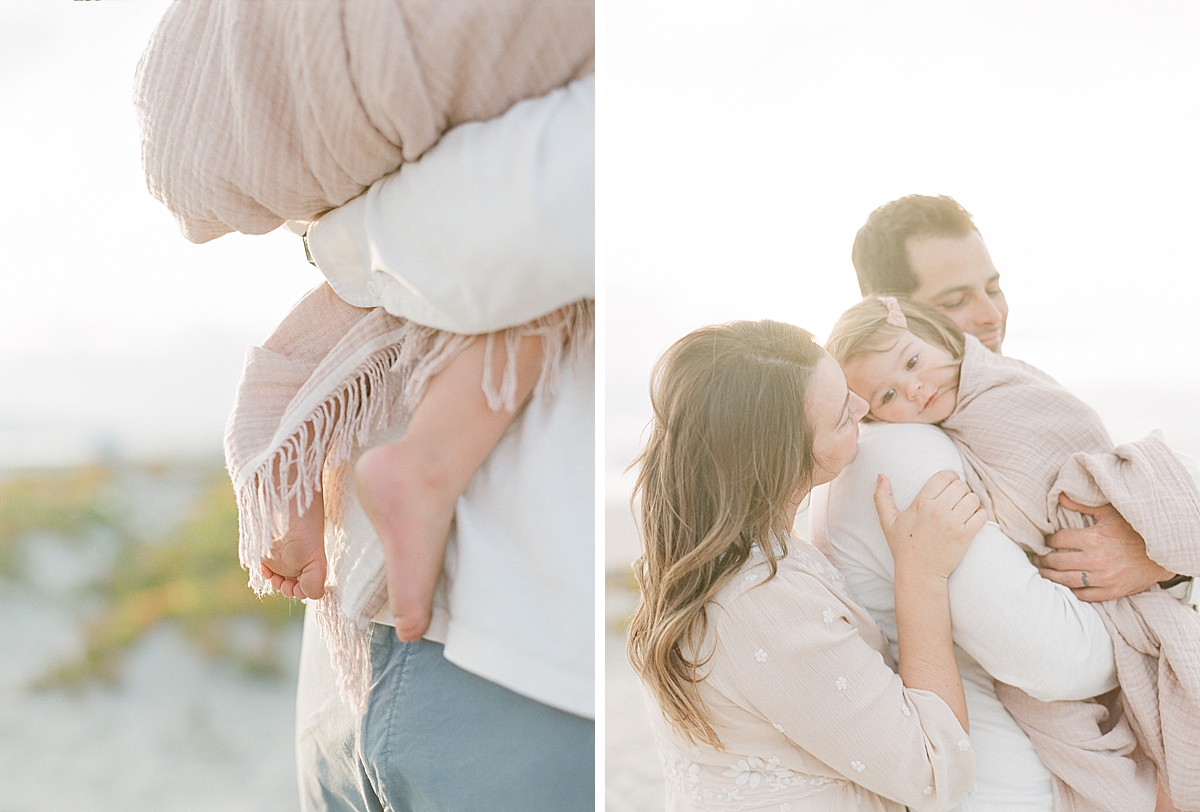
741, 150
114, 330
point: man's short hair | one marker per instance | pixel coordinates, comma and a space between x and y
880, 254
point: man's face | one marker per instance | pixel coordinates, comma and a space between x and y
958, 279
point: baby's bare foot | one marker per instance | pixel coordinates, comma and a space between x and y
406, 496
296, 563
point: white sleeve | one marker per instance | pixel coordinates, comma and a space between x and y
1189, 593
491, 228
1191, 466
1022, 629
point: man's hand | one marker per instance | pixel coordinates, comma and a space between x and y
1107, 560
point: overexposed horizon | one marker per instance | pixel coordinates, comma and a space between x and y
739, 152
117, 335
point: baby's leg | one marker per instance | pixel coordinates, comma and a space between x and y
408, 488
296, 564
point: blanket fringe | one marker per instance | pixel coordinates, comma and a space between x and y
349, 644
326, 438
293, 472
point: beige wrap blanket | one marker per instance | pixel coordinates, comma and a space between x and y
258, 111
310, 398
1024, 440
254, 112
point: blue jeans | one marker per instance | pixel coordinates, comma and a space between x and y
435, 738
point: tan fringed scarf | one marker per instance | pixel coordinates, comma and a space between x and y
1024, 440
258, 111
329, 377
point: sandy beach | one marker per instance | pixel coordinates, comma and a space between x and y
178, 729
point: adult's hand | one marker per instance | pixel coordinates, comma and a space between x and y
931, 535
928, 539
1107, 560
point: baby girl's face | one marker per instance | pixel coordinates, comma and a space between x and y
912, 382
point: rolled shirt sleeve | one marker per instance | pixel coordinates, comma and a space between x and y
491, 228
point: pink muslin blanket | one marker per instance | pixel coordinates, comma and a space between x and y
258, 111
1024, 440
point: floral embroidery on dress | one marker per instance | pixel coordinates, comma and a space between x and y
964, 745
904, 709
800, 553
827, 616
778, 727
760, 656
927, 791
785, 807
753, 771
816, 566
741, 786
841, 684
753, 577
858, 765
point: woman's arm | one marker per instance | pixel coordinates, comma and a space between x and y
792, 652
927, 541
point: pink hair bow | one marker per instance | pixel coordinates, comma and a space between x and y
895, 316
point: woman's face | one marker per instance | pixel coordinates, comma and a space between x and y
833, 412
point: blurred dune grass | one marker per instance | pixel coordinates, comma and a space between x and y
188, 575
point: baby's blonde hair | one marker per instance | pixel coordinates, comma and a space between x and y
864, 328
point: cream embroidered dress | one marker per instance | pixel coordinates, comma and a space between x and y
808, 707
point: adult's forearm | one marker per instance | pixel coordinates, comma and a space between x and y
924, 636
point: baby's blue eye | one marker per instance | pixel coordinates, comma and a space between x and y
887, 396
912, 362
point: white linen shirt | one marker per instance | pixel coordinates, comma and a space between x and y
1009, 622
490, 229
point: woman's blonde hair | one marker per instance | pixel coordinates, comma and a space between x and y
729, 446
864, 328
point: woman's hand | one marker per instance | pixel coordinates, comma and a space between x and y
928, 540
931, 535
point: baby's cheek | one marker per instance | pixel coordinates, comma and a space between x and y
881, 416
